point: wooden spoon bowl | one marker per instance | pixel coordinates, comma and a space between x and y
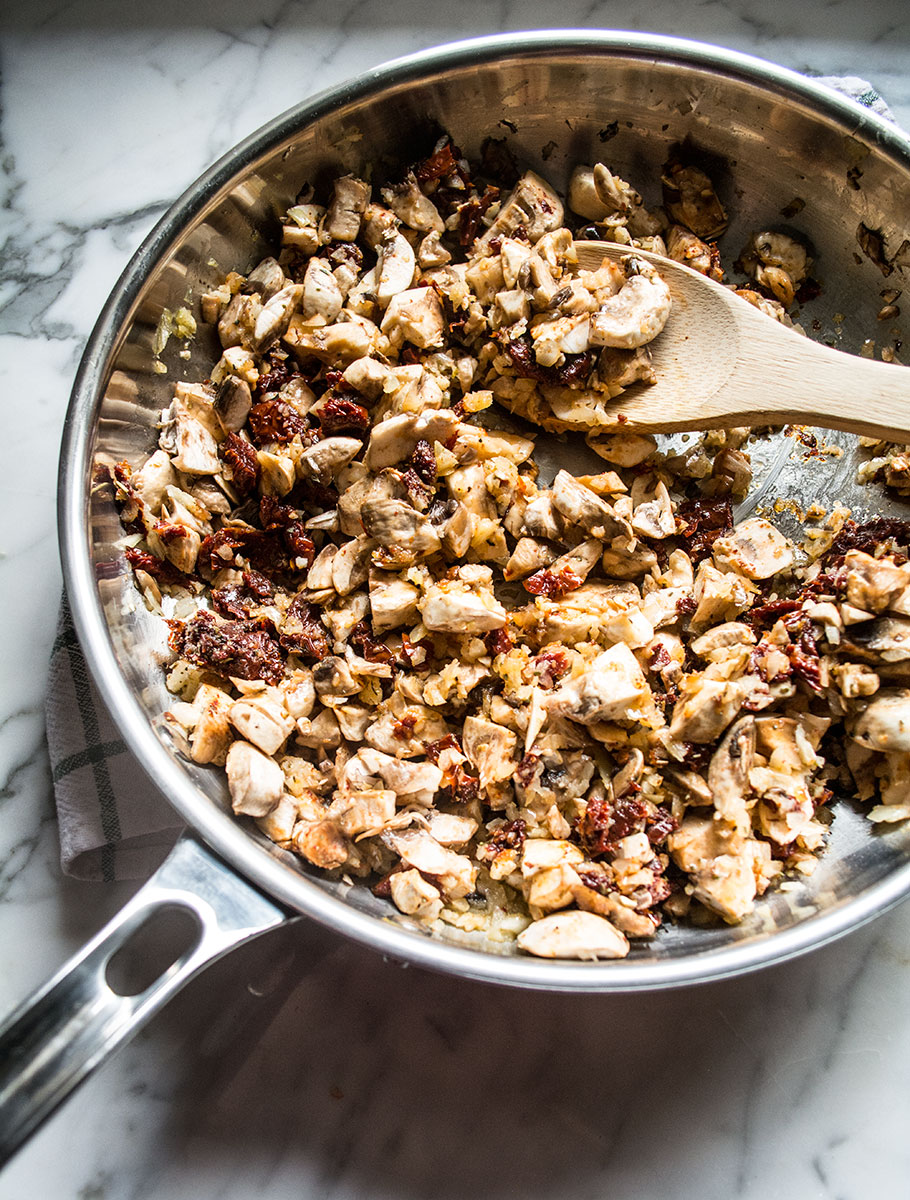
720, 362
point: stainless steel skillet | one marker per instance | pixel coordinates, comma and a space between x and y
787, 152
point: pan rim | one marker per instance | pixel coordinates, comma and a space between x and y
220, 831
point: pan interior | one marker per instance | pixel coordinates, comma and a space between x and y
780, 159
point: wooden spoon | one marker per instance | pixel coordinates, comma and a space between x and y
720, 362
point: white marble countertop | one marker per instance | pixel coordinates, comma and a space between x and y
302, 1066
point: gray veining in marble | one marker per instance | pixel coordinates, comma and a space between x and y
301, 1066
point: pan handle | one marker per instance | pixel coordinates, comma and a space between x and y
54, 1041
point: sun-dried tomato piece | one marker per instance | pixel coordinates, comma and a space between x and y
575, 369
370, 649
868, 536
263, 550
243, 649
510, 836
596, 880
527, 768
419, 493
434, 749
520, 353
552, 583
236, 600
442, 163
554, 666
403, 728
280, 370
765, 615
470, 215
423, 462
160, 569
342, 414
498, 641
661, 826
302, 632
275, 421
243, 461
275, 515
604, 823
701, 523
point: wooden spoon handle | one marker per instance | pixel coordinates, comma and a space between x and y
790, 378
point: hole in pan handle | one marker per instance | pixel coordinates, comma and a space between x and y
59, 1035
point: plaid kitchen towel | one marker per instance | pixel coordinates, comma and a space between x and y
114, 823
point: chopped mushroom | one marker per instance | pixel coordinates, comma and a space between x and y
581, 935
255, 780
335, 523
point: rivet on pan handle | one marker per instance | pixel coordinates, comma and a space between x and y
54, 1041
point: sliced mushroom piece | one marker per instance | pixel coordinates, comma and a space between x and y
490, 748
394, 439
542, 519
349, 200
462, 604
255, 780
455, 873
332, 678
412, 207
393, 601
325, 458
629, 775
530, 554
584, 198
532, 205
612, 688
579, 935
396, 266
684, 247
299, 693
322, 843
776, 261
320, 733
262, 722
319, 576
618, 910
274, 317
728, 773
721, 638
872, 583
322, 296
211, 735
363, 813
707, 706
884, 640
232, 403
884, 723
652, 515
727, 886
403, 532
195, 449
414, 895
690, 199
267, 279
755, 548
351, 565
636, 314
415, 315
432, 253
583, 507
450, 829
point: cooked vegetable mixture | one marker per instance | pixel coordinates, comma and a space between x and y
559, 711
